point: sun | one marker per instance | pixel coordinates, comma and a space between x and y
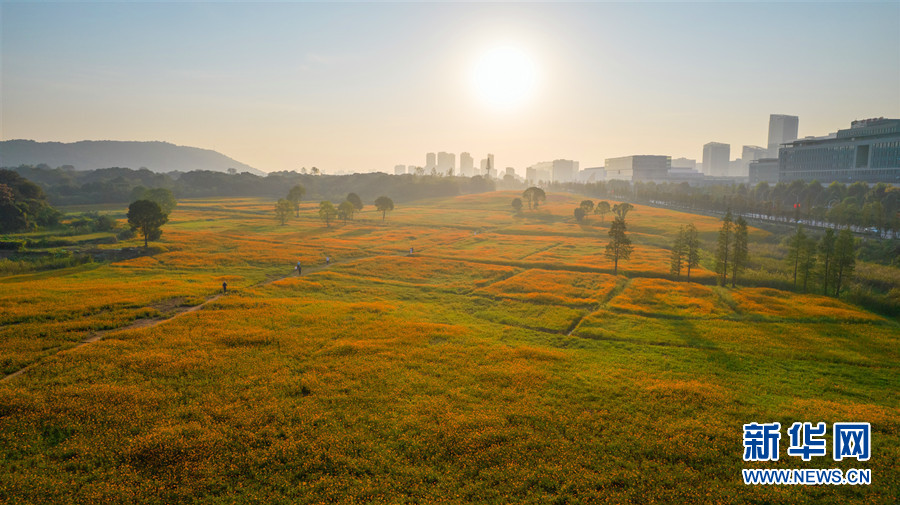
504, 77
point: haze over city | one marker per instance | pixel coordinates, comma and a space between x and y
363, 87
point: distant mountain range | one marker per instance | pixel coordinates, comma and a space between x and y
93, 154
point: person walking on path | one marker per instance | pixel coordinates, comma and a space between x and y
299, 271
224, 287
327, 260
410, 251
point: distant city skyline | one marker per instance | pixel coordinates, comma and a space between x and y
364, 87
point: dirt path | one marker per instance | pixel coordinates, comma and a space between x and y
614, 292
179, 311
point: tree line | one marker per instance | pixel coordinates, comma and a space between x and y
327, 210
835, 205
826, 263
118, 185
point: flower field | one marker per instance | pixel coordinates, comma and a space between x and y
502, 362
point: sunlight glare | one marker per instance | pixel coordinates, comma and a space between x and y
504, 77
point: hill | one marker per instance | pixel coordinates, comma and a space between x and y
93, 154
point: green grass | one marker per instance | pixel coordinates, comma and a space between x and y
422, 379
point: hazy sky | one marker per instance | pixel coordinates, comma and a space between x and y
365, 86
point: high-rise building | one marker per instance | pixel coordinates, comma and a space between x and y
868, 151
751, 153
782, 129
715, 158
445, 162
510, 171
399, 169
643, 168
564, 170
466, 165
487, 166
539, 172
430, 162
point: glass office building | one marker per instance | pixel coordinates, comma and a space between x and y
869, 151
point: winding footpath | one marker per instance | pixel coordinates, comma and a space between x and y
151, 322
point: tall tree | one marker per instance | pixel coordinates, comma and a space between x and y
603, 209
796, 245
844, 258
676, 259
345, 210
384, 204
327, 212
619, 245
147, 217
621, 209
534, 195
295, 194
163, 197
691, 248
741, 252
723, 251
283, 210
807, 260
587, 206
355, 200
826, 255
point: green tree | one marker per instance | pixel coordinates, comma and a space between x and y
603, 209
619, 245
723, 251
138, 192
826, 255
691, 248
345, 210
676, 258
163, 197
282, 210
534, 195
579, 214
796, 245
295, 194
873, 215
23, 204
587, 206
517, 205
844, 258
741, 250
327, 212
147, 217
621, 209
354, 199
807, 260
384, 204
